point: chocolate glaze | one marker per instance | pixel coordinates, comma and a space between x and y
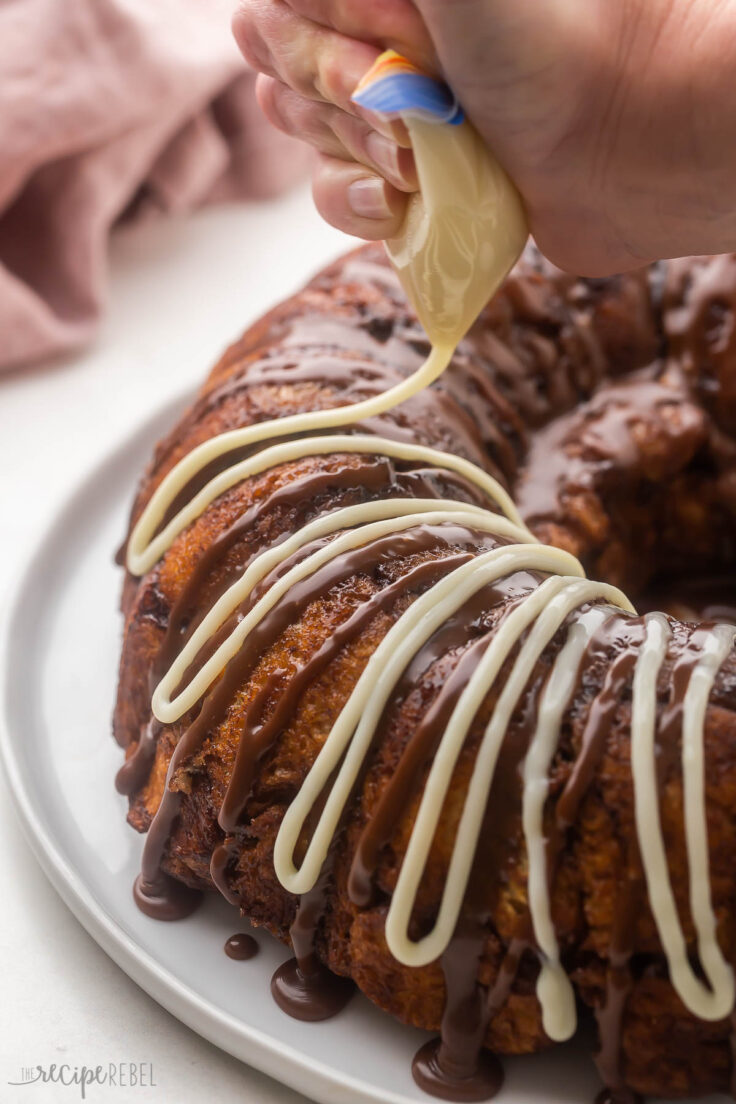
400, 787
302, 986
627, 635
311, 997
596, 445
137, 767
431, 1075
259, 735
241, 947
164, 898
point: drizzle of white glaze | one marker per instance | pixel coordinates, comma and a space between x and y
353, 732
554, 991
363, 523
715, 652
716, 1001
505, 639
146, 546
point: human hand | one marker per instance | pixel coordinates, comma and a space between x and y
613, 120
311, 55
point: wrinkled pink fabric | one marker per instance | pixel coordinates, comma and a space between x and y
112, 107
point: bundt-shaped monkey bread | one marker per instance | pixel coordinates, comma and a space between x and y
598, 750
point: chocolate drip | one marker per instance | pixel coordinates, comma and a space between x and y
302, 986
164, 898
403, 783
485, 1080
430, 1075
619, 982
628, 632
221, 858
241, 947
602, 713
457, 1063
137, 767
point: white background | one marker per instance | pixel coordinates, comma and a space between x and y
180, 291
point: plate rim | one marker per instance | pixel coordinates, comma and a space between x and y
279, 1060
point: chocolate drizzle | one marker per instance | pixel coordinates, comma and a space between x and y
435, 1076
137, 767
165, 898
403, 783
302, 986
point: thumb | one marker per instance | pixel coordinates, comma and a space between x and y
513, 64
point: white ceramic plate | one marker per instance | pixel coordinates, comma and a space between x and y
59, 664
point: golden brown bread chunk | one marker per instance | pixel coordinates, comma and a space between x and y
586, 399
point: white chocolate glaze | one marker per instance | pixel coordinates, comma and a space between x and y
506, 637
363, 523
715, 1001
719, 973
554, 990
146, 546
353, 732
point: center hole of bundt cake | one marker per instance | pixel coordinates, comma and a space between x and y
695, 598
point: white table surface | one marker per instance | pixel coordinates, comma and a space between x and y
180, 291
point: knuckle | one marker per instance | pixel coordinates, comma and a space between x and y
329, 76
268, 92
249, 28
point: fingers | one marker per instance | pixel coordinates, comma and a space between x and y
312, 60
388, 24
356, 201
310, 55
318, 63
335, 133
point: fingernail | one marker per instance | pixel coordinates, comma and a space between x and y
367, 198
383, 153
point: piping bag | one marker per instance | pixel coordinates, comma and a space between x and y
465, 228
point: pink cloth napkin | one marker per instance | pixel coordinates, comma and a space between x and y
112, 107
